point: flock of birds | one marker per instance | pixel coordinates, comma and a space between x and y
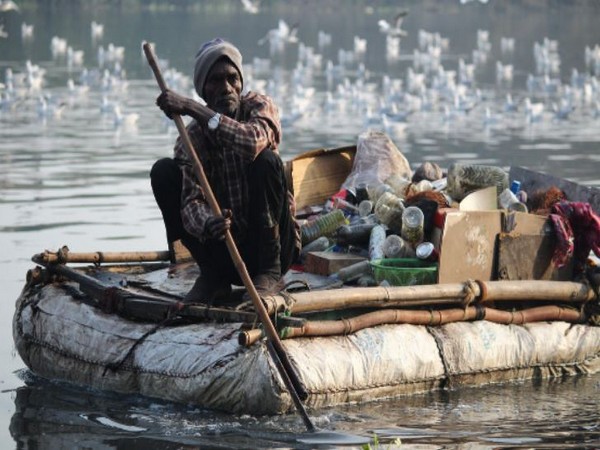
428, 85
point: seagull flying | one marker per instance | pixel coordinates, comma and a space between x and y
251, 6
393, 29
280, 36
8, 5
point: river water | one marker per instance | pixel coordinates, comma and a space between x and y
74, 172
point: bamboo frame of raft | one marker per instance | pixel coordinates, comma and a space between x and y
465, 293
351, 325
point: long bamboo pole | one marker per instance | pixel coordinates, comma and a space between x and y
403, 296
431, 318
48, 257
285, 368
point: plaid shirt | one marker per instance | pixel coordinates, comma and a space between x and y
225, 154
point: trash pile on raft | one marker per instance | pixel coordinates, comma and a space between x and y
384, 226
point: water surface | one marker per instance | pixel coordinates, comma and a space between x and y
73, 174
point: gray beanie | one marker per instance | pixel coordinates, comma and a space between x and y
208, 54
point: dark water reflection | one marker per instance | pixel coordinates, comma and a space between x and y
76, 174
557, 414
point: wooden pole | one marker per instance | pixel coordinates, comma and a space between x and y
431, 318
282, 361
61, 256
432, 294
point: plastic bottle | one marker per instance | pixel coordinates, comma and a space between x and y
389, 210
318, 245
396, 247
354, 234
354, 271
398, 184
376, 242
413, 225
508, 200
324, 225
365, 208
465, 178
377, 191
515, 186
345, 205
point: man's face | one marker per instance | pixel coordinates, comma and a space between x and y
223, 88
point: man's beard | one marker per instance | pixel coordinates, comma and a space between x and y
227, 106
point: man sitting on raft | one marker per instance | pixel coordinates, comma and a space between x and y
236, 138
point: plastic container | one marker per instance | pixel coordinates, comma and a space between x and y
376, 241
466, 178
396, 247
388, 210
354, 271
515, 186
324, 225
377, 191
345, 205
318, 245
365, 208
398, 184
413, 225
508, 200
357, 234
404, 271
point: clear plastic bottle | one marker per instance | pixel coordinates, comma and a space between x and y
365, 208
324, 225
398, 184
377, 191
376, 242
413, 225
396, 247
318, 245
354, 234
389, 210
508, 200
354, 271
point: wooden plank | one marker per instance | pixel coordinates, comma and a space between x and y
529, 257
317, 175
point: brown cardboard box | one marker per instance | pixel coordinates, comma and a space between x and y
491, 245
468, 246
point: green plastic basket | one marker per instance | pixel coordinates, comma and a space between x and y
404, 271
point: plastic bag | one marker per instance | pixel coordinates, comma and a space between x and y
377, 157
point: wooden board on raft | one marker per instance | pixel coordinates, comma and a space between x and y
317, 175
526, 247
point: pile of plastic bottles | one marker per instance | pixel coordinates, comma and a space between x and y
395, 218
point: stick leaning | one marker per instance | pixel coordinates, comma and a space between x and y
281, 362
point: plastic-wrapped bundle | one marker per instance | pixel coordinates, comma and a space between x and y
465, 178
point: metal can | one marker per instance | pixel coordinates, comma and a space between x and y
427, 252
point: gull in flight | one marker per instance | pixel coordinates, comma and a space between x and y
280, 36
250, 6
393, 29
8, 5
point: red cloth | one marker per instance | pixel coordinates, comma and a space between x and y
577, 229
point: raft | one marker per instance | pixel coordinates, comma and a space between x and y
59, 337
118, 324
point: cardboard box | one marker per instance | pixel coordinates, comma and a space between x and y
326, 263
492, 245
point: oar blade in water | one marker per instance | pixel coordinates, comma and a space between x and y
324, 437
